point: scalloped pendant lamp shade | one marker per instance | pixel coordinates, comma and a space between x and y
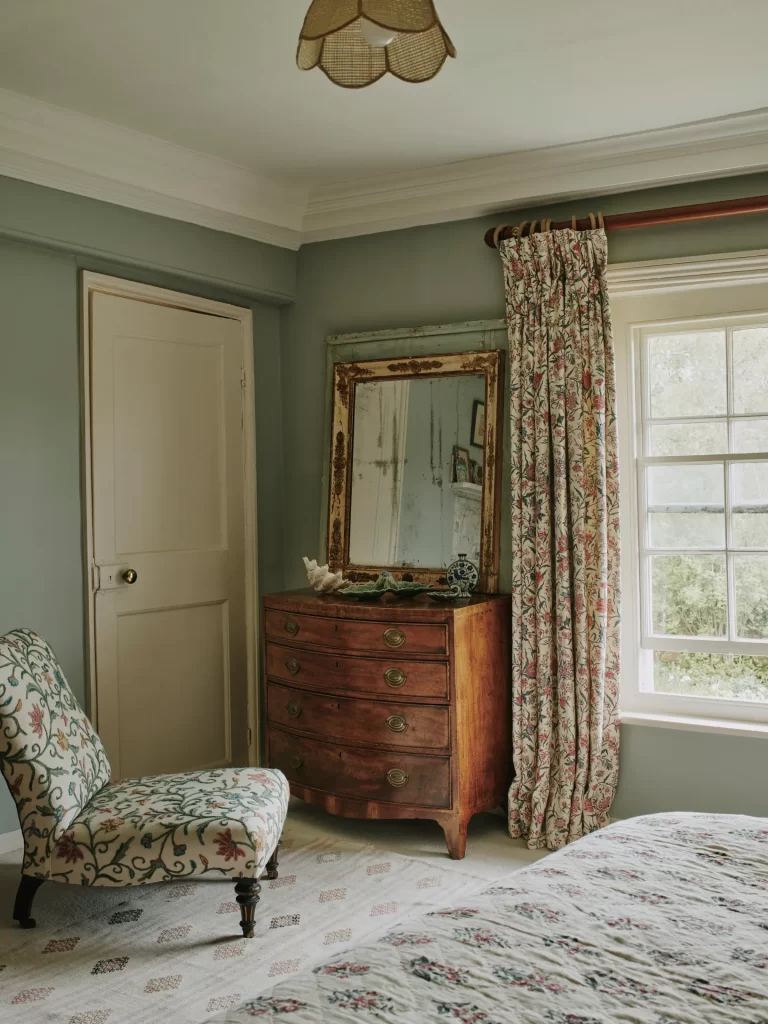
356, 42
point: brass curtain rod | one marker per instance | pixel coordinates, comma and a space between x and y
648, 218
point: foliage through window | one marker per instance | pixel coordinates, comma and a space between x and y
703, 496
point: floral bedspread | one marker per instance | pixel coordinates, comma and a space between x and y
655, 920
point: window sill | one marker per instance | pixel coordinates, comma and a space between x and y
680, 722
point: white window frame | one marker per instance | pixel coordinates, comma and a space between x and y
662, 297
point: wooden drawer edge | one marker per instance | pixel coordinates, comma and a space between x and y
444, 754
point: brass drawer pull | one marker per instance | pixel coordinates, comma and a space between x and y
293, 709
291, 627
397, 778
396, 723
395, 677
296, 761
293, 666
394, 637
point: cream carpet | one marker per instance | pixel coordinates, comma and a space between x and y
173, 953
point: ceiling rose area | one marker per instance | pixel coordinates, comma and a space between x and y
357, 42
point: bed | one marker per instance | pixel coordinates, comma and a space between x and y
656, 920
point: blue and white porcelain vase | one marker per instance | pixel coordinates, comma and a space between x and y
462, 575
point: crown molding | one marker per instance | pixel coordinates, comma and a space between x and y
61, 149
474, 188
65, 150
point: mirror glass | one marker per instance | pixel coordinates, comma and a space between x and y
417, 471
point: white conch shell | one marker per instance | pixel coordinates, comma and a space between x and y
321, 579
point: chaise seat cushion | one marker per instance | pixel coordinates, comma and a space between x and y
152, 829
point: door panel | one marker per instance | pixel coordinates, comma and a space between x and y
186, 648
168, 501
168, 401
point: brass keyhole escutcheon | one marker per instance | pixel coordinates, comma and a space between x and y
396, 723
293, 709
395, 677
397, 778
394, 637
291, 627
293, 666
296, 761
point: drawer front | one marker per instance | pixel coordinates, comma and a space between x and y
346, 634
350, 720
368, 675
386, 776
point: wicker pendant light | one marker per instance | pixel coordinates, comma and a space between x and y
356, 42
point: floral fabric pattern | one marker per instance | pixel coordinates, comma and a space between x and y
565, 536
80, 828
698, 956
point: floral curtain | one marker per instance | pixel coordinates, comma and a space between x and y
565, 536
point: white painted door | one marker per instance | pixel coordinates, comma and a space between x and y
167, 459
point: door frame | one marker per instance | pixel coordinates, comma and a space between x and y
92, 283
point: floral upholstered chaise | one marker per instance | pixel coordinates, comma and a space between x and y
80, 828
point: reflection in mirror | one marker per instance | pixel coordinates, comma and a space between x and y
414, 502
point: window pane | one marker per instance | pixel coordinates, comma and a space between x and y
688, 595
750, 574
749, 504
686, 530
750, 370
692, 438
687, 374
686, 486
730, 677
748, 436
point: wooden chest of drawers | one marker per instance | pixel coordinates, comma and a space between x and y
399, 709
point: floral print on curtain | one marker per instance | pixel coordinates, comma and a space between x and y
565, 536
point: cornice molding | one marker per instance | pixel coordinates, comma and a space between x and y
706, 149
65, 150
74, 153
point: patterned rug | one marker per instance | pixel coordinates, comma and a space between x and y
173, 953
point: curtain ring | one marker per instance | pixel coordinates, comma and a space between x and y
592, 222
533, 227
573, 223
546, 225
521, 229
600, 221
497, 233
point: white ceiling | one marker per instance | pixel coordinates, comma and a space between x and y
220, 78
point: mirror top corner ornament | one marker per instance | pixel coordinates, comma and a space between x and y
406, 492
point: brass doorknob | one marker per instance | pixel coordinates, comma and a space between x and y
130, 575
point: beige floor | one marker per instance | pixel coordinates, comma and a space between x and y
490, 852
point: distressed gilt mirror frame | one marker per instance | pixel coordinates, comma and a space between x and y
345, 378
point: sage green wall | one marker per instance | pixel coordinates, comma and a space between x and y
41, 556
444, 274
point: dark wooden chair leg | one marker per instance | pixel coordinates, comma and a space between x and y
247, 890
22, 908
271, 868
